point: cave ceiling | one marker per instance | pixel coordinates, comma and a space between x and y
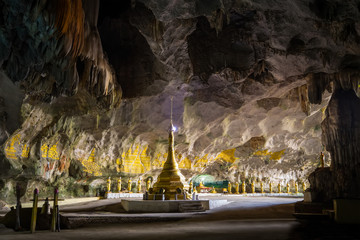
86, 85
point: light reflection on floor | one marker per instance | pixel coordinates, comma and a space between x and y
228, 222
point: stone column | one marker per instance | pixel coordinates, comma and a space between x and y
341, 137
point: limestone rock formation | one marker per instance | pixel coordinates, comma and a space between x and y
341, 138
85, 89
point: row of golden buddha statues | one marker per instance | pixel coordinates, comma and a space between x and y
129, 186
228, 190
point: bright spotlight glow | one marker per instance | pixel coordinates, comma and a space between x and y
174, 128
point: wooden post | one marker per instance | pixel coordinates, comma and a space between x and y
296, 188
57, 218
288, 188
54, 217
18, 209
34, 211
270, 187
261, 187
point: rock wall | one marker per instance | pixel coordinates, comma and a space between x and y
250, 80
51, 47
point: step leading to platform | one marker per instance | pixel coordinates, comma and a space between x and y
159, 206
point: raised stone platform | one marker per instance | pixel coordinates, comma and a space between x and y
123, 195
158, 206
140, 195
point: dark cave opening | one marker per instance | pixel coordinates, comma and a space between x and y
212, 51
127, 50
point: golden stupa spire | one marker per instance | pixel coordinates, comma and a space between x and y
171, 162
171, 113
170, 178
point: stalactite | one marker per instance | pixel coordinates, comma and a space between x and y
217, 20
37, 8
69, 21
102, 74
259, 68
349, 79
157, 30
304, 99
317, 83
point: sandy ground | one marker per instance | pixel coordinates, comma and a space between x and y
243, 218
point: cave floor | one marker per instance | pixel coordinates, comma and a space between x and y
242, 218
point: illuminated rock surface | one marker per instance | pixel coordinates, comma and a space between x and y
85, 89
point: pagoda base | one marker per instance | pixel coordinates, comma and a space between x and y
165, 197
155, 206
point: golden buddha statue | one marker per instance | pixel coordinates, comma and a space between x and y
139, 186
129, 185
243, 187
304, 187
148, 184
288, 188
201, 185
237, 188
119, 185
252, 187
108, 185
229, 188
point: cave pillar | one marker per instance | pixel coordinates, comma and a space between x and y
341, 137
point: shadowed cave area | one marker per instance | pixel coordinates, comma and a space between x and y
128, 51
212, 51
262, 95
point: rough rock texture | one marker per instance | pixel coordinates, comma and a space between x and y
10, 103
341, 138
250, 81
53, 48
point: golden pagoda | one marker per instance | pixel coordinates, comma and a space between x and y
170, 179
